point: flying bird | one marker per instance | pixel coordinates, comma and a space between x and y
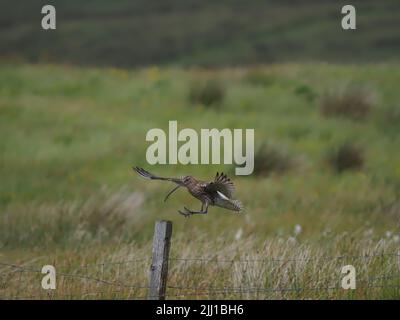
214, 193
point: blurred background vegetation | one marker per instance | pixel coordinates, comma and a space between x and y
76, 104
128, 33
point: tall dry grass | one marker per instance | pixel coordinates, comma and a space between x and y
200, 268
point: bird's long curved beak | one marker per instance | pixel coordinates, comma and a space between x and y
171, 192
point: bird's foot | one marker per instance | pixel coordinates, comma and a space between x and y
187, 213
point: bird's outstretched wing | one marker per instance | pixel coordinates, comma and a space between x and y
221, 184
147, 175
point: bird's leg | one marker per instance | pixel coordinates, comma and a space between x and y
206, 210
187, 212
190, 212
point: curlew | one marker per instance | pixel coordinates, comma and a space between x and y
214, 193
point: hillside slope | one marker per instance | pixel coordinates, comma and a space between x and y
133, 33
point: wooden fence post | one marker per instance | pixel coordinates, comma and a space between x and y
159, 263
398, 259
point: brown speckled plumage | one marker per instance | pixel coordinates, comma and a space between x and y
218, 192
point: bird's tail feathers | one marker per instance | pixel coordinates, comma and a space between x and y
234, 205
239, 207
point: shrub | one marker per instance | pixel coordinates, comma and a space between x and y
306, 92
272, 159
346, 157
259, 78
207, 93
354, 103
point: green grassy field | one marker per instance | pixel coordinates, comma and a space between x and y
186, 32
68, 196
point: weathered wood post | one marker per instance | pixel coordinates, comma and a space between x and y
398, 259
159, 263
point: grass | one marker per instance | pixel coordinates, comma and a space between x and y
220, 269
206, 33
68, 196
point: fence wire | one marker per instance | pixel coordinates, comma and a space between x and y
378, 276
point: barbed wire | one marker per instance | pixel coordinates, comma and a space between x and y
71, 295
79, 276
370, 256
368, 280
276, 290
288, 289
189, 291
109, 263
366, 256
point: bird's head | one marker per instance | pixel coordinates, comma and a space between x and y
183, 182
187, 180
